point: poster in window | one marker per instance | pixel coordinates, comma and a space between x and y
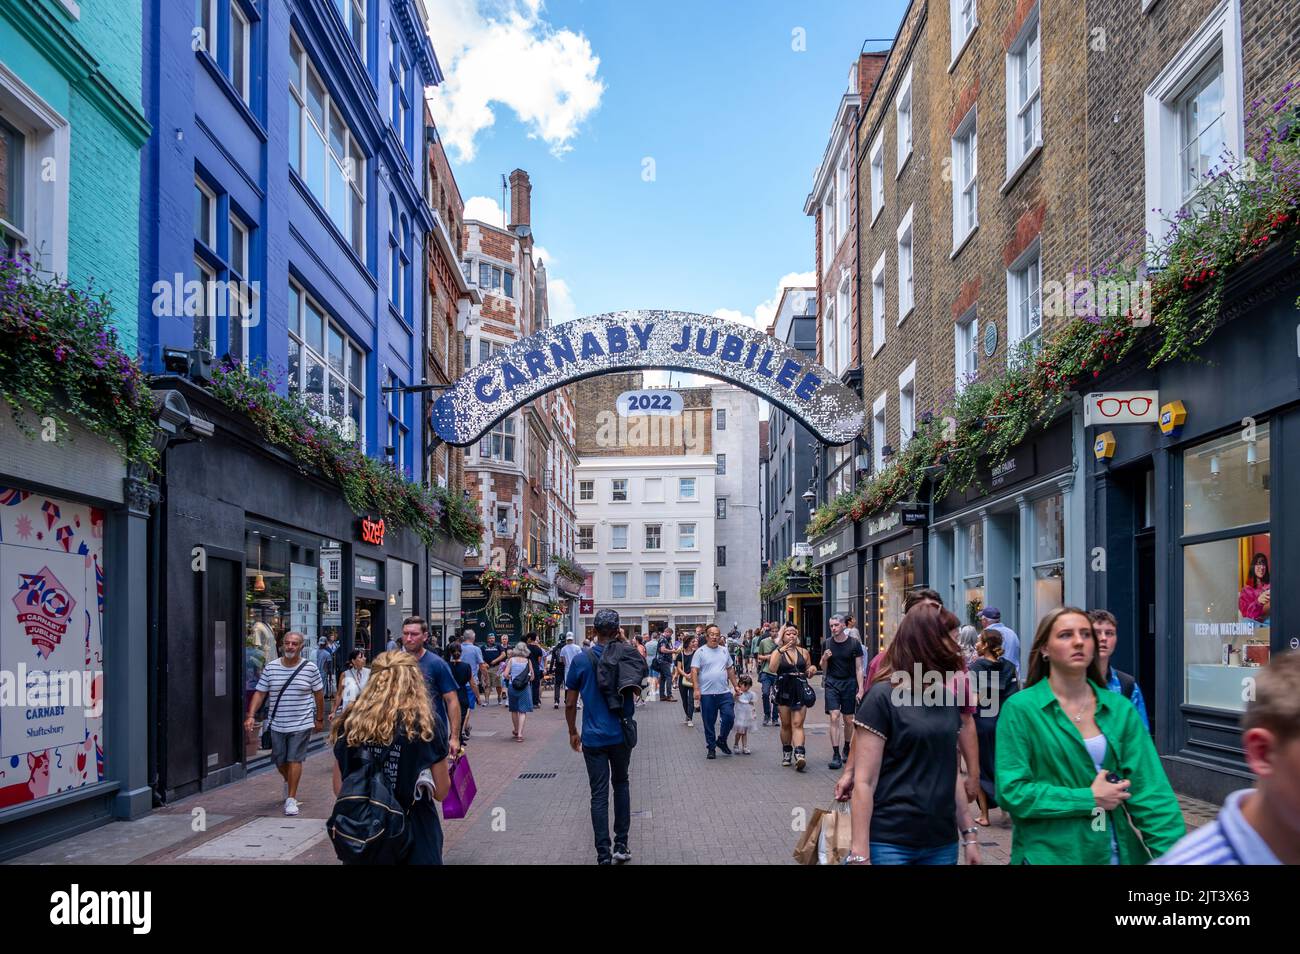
1254, 578
51, 647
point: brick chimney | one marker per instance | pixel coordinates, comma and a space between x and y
521, 199
870, 66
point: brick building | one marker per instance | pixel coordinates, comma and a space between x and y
1008, 148
521, 473
448, 303
966, 164
1187, 520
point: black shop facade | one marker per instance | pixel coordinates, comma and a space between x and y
1193, 533
869, 566
248, 548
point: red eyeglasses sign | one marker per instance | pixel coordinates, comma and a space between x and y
1122, 407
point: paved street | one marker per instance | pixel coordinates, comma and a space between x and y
532, 805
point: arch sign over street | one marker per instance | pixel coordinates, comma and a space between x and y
646, 340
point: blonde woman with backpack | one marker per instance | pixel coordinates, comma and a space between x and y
393, 721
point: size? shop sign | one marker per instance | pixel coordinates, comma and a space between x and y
1121, 407
372, 531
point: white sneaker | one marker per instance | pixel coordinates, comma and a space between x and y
690, 724
291, 806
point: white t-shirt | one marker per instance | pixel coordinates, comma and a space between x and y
297, 710
713, 665
568, 652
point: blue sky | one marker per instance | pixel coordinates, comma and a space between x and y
734, 118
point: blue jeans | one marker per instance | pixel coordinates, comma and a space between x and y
710, 707
608, 764
883, 853
768, 682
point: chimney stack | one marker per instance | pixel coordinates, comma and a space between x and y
521, 198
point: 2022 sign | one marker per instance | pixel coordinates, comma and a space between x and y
634, 403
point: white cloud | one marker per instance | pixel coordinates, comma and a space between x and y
504, 53
559, 301
484, 209
765, 311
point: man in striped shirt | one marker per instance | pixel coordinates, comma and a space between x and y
295, 695
1260, 825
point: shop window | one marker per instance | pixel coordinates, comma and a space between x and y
1227, 560
897, 577
841, 595
1049, 555
973, 568
284, 593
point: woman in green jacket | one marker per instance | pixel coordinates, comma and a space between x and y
1057, 741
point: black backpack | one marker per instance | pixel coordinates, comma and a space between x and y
368, 826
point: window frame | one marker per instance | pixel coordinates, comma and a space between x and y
614, 490
720, 465
965, 181
682, 576
720, 508
586, 491
350, 348
966, 330
694, 535
844, 313
613, 536
695, 490
1018, 153
907, 405
958, 42
658, 528
879, 435
1218, 36
589, 538
1030, 258
878, 305
903, 108
877, 161
241, 74
351, 166
906, 239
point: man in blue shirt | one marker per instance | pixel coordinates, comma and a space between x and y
991, 618
1260, 825
602, 743
1106, 628
437, 676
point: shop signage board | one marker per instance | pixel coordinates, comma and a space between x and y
51, 645
826, 549
634, 340
371, 531
1121, 407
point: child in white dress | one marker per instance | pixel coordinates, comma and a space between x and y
746, 715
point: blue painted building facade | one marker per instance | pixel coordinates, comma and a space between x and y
286, 176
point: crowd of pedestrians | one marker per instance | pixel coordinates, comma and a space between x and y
944, 718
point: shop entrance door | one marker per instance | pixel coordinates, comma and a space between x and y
221, 652
1146, 619
369, 628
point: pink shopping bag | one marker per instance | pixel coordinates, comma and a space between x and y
462, 792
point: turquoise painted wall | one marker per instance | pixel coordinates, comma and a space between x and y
89, 71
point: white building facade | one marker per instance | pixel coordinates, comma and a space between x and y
738, 513
646, 530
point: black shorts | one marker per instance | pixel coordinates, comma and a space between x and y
841, 695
